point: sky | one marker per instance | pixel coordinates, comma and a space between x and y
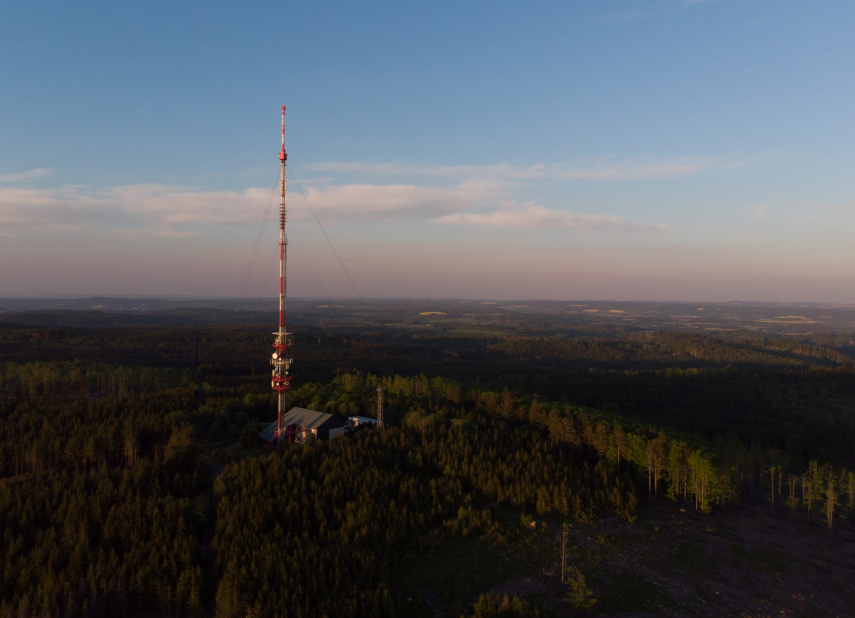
697, 150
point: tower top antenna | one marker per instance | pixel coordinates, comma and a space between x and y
282, 155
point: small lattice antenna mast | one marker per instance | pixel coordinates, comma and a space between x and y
380, 406
281, 361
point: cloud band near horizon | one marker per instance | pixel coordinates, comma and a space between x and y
478, 196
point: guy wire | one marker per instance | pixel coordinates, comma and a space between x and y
247, 275
327, 237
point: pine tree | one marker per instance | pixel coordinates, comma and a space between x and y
830, 499
772, 471
850, 489
563, 541
579, 596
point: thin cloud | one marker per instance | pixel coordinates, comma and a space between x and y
844, 206
394, 202
664, 8
633, 168
165, 206
28, 175
136, 234
127, 207
465, 194
628, 16
180, 211
20, 208
530, 216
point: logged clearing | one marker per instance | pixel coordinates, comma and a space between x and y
750, 560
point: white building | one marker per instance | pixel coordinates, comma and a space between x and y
360, 421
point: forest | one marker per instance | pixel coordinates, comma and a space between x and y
131, 479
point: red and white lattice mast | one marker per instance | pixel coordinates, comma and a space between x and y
281, 361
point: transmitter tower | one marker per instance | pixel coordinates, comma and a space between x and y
280, 360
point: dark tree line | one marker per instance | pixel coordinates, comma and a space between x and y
669, 348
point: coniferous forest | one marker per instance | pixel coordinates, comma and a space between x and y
133, 481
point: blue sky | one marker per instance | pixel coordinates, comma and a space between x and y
656, 150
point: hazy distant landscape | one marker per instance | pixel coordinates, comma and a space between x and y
536, 317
